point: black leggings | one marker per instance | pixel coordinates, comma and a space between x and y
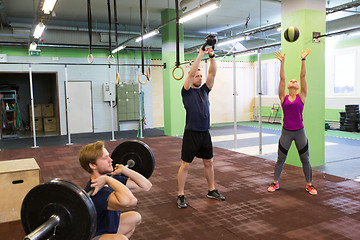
301, 143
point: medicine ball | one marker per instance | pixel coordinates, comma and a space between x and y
291, 34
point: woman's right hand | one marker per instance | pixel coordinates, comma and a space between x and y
279, 56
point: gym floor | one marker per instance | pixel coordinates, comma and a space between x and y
342, 155
249, 212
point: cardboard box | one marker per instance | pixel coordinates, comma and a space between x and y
17, 178
49, 124
47, 110
37, 110
38, 124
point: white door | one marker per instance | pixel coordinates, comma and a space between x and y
80, 107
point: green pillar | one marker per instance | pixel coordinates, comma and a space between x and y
174, 112
308, 17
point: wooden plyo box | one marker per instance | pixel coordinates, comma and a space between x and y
17, 178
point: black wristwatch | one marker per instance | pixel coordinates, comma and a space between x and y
303, 59
212, 56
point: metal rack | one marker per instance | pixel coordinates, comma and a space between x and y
8, 100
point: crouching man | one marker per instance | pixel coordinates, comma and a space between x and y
113, 192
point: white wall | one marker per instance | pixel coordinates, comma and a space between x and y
97, 75
157, 94
338, 100
332, 100
221, 96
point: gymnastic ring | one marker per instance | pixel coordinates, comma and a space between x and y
111, 56
148, 73
90, 56
147, 79
182, 75
117, 78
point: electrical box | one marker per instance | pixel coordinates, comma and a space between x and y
109, 92
128, 101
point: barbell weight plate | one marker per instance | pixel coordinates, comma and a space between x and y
63, 198
137, 151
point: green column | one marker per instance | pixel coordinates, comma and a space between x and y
174, 112
308, 17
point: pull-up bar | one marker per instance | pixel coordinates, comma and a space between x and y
83, 64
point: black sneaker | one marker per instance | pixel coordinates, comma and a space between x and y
181, 201
215, 194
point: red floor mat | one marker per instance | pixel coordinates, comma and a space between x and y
249, 212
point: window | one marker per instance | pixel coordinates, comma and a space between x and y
276, 77
344, 80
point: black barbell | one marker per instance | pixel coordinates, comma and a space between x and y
60, 209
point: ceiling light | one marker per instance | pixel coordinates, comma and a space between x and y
207, 7
39, 29
118, 49
353, 34
148, 35
48, 6
32, 46
234, 40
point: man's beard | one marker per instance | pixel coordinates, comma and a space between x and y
106, 171
196, 85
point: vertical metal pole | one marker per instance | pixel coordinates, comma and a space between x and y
32, 106
67, 106
140, 111
260, 104
235, 94
111, 108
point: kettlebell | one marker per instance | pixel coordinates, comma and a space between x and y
210, 41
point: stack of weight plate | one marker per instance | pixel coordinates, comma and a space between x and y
342, 120
352, 118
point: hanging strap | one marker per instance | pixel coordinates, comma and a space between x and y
111, 58
90, 56
177, 64
142, 48
116, 37
142, 42
109, 17
177, 34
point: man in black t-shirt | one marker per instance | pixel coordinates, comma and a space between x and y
113, 192
197, 139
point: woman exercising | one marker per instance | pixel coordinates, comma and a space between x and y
293, 128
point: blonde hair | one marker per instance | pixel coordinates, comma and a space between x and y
89, 153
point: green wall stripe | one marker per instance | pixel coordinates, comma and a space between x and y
78, 53
331, 115
266, 111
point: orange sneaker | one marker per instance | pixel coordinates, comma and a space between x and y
273, 187
311, 189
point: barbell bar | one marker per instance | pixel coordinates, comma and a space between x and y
130, 164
